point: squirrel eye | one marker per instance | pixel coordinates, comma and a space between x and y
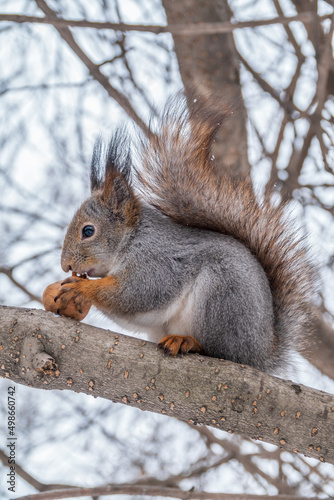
88, 231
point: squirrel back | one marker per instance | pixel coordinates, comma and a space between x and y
178, 176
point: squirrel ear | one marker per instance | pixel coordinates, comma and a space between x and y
121, 191
118, 195
116, 190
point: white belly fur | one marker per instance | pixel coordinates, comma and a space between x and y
174, 319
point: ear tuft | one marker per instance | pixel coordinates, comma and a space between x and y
96, 171
111, 166
111, 170
118, 168
118, 157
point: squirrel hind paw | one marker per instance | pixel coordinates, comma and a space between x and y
180, 344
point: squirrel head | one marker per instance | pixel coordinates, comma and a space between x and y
104, 223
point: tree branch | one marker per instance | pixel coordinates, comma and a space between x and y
30, 479
174, 29
246, 460
153, 491
9, 273
41, 350
93, 68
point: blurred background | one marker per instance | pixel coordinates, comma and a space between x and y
61, 84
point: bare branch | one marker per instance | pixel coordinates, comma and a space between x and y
289, 32
197, 389
93, 68
243, 459
175, 29
30, 479
153, 491
32, 215
46, 86
266, 87
9, 274
274, 156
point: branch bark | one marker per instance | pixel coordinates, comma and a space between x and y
41, 350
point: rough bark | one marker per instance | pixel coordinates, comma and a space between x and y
211, 62
41, 350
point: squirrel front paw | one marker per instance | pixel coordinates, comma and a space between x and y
66, 298
70, 291
175, 344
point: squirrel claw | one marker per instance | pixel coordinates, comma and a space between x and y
72, 279
69, 292
180, 344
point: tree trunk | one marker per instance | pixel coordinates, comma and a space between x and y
210, 62
41, 350
321, 350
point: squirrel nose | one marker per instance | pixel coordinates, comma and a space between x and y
66, 267
65, 263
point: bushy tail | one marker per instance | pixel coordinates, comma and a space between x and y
179, 177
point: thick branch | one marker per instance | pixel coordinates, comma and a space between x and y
44, 351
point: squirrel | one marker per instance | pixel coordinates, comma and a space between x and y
187, 253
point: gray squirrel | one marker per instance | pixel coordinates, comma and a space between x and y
187, 253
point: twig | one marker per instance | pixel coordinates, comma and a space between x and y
262, 83
30, 479
9, 273
245, 460
45, 86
